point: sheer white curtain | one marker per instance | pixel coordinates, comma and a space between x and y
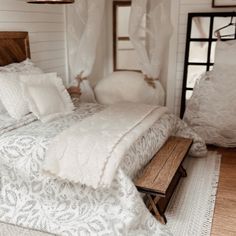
84, 21
158, 30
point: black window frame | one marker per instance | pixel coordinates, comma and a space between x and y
211, 39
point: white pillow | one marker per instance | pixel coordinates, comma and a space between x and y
225, 53
46, 96
26, 67
11, 95
128, 86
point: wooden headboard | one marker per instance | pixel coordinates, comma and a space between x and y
14, 47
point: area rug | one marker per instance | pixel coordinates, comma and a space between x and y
190, 211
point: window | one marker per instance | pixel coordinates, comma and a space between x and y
124, 54
200, 47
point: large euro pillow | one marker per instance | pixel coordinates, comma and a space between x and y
128, 86
211, 111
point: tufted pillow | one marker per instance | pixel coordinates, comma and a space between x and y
128, 86
46, 96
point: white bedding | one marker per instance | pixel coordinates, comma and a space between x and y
90, 151
30, 199
8, 123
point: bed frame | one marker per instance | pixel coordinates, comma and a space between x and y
14, 47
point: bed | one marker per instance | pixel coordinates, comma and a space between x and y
32, 200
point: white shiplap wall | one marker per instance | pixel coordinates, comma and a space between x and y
186, 6
45, 24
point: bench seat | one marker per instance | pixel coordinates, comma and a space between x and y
162, 174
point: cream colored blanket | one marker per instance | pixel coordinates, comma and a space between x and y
90, 151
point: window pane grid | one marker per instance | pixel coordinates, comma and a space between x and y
201, 43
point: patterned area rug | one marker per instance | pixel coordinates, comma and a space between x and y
191, 209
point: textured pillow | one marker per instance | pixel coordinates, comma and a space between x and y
11, 95
128, 86
46, 96
26, 67
211, 111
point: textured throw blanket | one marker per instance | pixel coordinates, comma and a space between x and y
91, 151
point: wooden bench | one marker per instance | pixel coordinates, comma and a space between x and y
162, 174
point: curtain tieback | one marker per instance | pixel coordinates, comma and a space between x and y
75, 90
150, 81
79, 78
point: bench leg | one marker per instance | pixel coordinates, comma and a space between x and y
153, 206
182, 171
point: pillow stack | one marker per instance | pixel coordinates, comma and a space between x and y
24, 89
211, 111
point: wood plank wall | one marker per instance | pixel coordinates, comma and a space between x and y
186, 6
45, 24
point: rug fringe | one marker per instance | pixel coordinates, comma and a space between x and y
206, 231
191, 213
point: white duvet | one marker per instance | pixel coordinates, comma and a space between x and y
30, 199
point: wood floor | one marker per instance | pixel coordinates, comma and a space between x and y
224, 221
